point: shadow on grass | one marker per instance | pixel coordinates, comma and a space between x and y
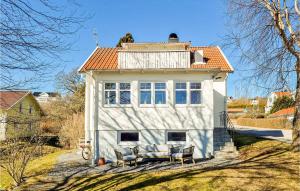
254, 168
241, 140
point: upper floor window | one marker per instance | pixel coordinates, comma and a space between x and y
110, 93
180, 93
145, 93
160, 93
195, 93
125, 93
117, 93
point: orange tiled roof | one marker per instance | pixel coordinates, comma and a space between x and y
287, 111
9, 98
107, 59
280, 94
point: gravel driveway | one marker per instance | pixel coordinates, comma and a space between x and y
284, 135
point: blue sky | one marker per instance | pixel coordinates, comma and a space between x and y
201, 22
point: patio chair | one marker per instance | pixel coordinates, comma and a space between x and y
183, 153
125, 157
135, 151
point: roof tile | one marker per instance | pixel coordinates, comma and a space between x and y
107, 59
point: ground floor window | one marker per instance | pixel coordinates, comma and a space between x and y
129, 136
176, 136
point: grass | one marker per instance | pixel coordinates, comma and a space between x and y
36, 167
263, 165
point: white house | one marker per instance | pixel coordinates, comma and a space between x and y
272, 97
154, 93
44, 97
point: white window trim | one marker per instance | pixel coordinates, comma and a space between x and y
125, 143
177, 142
117, 104
152, 94
188, 94
201, 93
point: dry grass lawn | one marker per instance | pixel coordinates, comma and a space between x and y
36, 167
264, 165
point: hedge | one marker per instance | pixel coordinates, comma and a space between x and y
276, 123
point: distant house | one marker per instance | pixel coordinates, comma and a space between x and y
272, 97
18, 111
44, 97
285, 113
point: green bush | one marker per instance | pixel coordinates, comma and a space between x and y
282, 103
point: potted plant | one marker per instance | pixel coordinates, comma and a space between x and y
101, 161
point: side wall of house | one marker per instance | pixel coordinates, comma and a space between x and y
220, 97
152, 122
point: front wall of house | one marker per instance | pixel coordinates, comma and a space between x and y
14, 114
152, 122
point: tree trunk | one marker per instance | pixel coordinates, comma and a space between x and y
296, 121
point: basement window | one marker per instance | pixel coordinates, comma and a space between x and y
129, 136
176, 136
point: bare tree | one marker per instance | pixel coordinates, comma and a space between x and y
33, 34
69, 82
21, 145
267, 36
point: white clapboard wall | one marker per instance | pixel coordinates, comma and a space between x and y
153, 59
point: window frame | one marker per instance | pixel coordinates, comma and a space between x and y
186, 90
176, 142
140, 95
119, 94
188, 94
118, 91
119, 133
108, 90
152, 104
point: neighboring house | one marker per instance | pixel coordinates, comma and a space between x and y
285, 113
44, 97
18, 111
154, 93
272, 97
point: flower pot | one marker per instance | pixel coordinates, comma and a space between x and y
101, 161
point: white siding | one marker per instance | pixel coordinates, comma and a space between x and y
153, 59
220, 98
153, 122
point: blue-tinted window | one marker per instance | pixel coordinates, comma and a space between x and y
145, 93
195, 93
160, 93
125, 93
145, 97
180, 93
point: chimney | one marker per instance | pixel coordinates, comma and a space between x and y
173, 38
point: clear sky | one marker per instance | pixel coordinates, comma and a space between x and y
201, 22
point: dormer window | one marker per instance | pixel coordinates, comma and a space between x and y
199, 57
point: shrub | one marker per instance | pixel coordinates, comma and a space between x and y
282, 103
276, 123
72, 130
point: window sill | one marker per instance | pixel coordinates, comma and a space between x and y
117, 106
189, 105
128, 143
154, 106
